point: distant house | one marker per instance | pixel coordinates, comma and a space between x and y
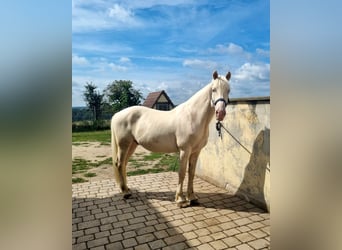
158, 100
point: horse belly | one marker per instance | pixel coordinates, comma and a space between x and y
162, 144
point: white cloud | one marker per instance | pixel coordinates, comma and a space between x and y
79, 60
163, 86
116, 67
125, 60
120, 13
261, 52
104, 16
196, 63
232, 48
253, 72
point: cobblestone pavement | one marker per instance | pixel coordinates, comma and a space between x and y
150, 219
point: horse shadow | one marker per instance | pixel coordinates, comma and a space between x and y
253, 182
217, 200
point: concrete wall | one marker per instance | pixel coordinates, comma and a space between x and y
225, 163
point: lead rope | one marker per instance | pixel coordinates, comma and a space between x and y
218, 128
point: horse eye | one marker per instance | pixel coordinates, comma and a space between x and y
214, 90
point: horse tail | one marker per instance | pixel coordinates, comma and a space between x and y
115, 155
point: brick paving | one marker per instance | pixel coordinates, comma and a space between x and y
150, 219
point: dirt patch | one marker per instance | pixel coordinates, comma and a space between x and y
93, 160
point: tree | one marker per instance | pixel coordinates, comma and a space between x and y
121, 94
94, 100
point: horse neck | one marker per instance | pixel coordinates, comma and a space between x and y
200, 105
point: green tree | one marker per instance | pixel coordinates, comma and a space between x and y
121, 94
94, 100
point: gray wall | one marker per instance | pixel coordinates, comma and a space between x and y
225, 163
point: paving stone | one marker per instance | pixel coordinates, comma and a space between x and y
157, 244
258, 233
151, 220
202, 232
194, 242
145, 238
205, 247
88, 224
114, 246
259, 243
114, 238
188, 228
161, 234
245, 237
218, 244
136, 220
97, 242
178, 246
129, 242
189, 235
145, 230
174, 239
205, 239
218, 236
98, 248
231, 241
80, 246
242, 221
160, 226
85, 238
129, 234
142, 247
244, 247
102, 234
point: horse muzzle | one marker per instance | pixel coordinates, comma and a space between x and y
220, 114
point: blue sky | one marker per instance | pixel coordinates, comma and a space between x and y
171, 45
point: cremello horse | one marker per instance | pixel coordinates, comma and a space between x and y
184, 129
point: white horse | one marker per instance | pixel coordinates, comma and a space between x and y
183, 129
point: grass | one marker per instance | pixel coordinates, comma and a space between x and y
95, 136
170, 160
78, 180
153, 156
80, 165
90, 174
145, 171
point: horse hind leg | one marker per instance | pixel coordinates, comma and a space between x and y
124, 153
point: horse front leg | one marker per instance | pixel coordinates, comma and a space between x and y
191, 197
183, 160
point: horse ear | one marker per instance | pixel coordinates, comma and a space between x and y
228, 76
215, 75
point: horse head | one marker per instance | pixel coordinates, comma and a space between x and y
219, 94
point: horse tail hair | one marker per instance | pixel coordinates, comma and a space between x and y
115, 155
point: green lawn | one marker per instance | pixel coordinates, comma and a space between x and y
95, 136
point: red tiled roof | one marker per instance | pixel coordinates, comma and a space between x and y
153, 97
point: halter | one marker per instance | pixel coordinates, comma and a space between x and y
219, 100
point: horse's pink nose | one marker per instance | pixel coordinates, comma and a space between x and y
220, 114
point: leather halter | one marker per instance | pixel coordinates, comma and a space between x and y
219, 100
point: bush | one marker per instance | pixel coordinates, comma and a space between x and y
84, 126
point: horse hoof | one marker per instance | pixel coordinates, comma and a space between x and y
126, 196
183, 204
194, 202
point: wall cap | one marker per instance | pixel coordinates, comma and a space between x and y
262, 99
